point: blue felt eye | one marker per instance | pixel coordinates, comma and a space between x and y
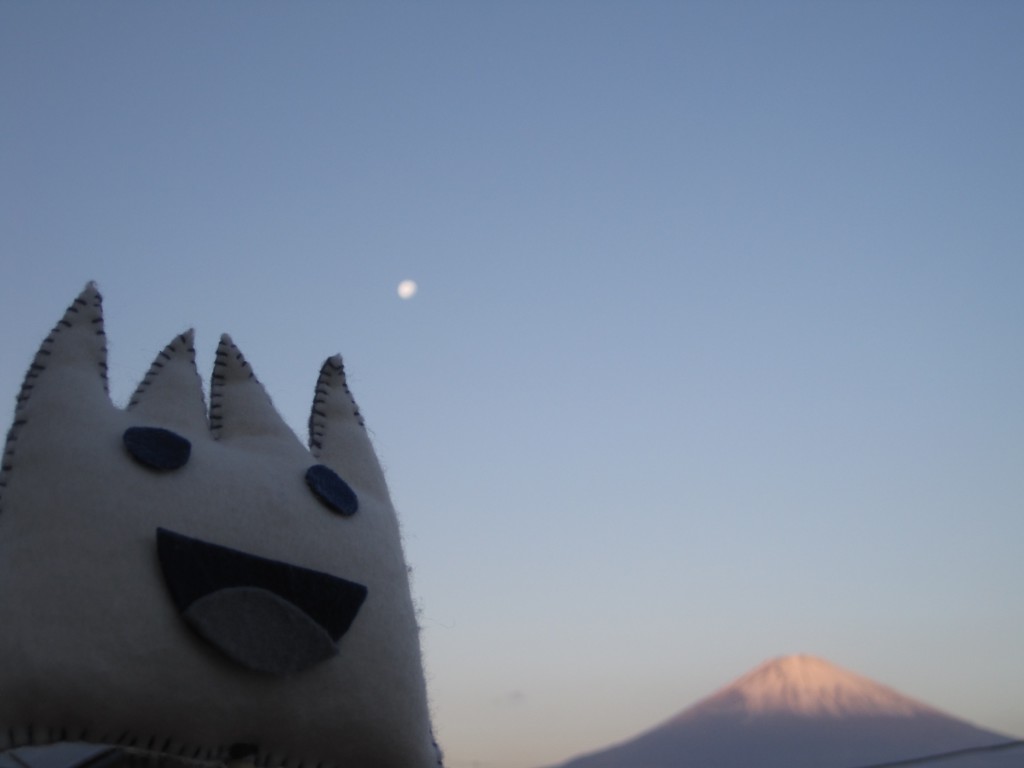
157, 448
332, 490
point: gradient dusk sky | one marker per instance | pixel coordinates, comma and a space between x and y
718, 348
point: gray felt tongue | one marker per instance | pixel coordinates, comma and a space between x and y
260, 630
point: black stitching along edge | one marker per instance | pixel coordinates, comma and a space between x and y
242, 361
157, 365
330, 374
201, 756
218, 380
216, 392
36, 367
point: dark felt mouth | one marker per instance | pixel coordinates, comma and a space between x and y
204, 579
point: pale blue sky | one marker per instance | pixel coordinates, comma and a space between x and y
717, 353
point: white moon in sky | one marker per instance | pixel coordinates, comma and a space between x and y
407, 289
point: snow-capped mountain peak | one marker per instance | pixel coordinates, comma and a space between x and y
808, 686
803, 712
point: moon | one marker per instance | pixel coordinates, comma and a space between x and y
407, 289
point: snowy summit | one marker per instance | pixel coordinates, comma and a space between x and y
809, 686
804, 712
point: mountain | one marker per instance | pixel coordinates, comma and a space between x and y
801, 712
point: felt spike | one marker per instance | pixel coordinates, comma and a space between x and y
76, 344
239, 406
171, 393
337, 436
67, 379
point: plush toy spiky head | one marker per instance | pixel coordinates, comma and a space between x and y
201, 586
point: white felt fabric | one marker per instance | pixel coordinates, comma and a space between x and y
92, 648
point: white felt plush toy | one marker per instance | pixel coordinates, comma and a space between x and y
194, 587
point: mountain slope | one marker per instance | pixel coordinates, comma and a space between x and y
795, 712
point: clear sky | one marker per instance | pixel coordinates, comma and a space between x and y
718, 348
